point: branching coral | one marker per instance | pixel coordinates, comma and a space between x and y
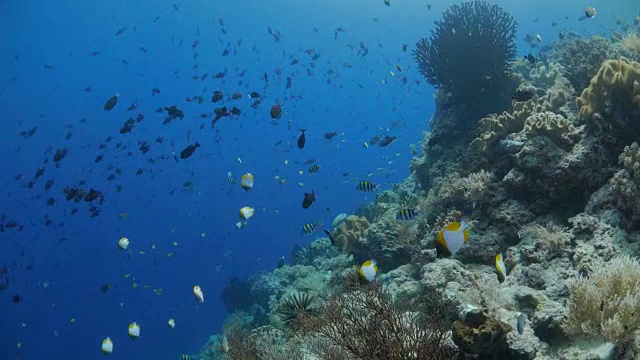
606, 302
471, 30
631, 42
551, 237
581, 57
367, 324
263, 343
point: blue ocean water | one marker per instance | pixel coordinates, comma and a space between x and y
60, 62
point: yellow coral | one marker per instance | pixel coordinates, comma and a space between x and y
348, 234
549, 124
615, 76
495, 127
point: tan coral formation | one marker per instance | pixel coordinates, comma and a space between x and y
616, 78
497, 126
347, 235
549, 124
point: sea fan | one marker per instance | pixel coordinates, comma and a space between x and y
469, 54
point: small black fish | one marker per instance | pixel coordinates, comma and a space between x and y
309, 162
276, 111
314, 168
387, 140
309, 198
111, 103
188, 151
281, 262
333, 241
302, 139
254, 95
330, 135
530, 58
16, 299
522, 95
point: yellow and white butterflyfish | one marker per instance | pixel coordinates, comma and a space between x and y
369, 269
502, 270
107, 346
134, 330
197, 292
454, 236
247, 181
246, 212
123, 243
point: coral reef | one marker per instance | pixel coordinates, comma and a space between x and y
488, 32
552, 184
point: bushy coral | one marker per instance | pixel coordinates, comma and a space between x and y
552, 238
367, 324
607, 302
581, 57
471, 30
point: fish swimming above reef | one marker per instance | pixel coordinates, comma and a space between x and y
188, 151
309, 228
246, 212
520, 322
107, 346
331, 238
314, 168
276, 111
339, 219
111, 102
309, 198
406, 215
530, 58
521, 95
454, 236
502, 270
330, 135
302, 139
366, 186
589, 13
246, 181
387, 140
369, 269
198, 294
217, 96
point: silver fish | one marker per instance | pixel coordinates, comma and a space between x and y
520, 323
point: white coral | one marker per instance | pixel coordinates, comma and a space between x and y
608, 301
